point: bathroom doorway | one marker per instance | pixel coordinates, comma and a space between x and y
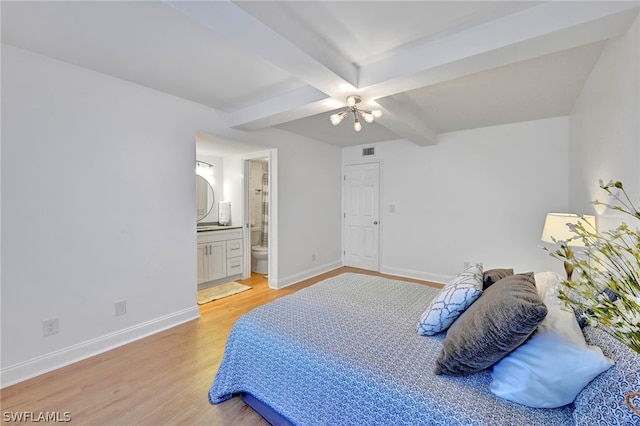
258, 197
260, 214
232, 158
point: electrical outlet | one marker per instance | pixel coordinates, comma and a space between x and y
313, 257
121, 308
50, 326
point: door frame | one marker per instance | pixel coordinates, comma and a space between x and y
344, 194
272, 229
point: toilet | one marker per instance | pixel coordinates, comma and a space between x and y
259, 254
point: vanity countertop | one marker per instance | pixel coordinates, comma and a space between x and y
207, 228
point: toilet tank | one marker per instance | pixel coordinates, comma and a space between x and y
255, 236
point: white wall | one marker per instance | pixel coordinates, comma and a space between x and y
605, 125
309, 209
478, 195
98, 199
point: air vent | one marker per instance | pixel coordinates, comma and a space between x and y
367, 152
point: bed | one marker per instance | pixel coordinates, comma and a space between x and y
345, 351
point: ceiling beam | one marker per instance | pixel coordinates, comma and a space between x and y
540, 30
282, 19
279, 109
401, 119
327, 74
252, 35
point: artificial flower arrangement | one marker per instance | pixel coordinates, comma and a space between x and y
607, 290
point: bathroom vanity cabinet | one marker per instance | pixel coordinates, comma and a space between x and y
220, 254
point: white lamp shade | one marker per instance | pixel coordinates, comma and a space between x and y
555, 226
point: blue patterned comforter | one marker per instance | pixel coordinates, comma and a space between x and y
345, 352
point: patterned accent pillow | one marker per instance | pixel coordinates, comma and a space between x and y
497, 323
492, 276
602, 402
452, 301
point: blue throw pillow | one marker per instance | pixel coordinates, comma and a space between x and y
552, 366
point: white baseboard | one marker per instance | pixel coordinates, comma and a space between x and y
45, 363
301, 276
399, 272
418, 275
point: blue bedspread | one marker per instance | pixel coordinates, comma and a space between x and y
345, 352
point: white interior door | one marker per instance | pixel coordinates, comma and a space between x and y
362, 216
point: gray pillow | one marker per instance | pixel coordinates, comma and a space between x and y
498, 322
492, 276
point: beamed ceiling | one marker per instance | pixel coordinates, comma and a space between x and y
430, 66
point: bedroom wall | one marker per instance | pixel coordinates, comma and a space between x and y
98, 197
309, 208
478, 195
605, 127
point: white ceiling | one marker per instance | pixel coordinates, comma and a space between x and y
431, 66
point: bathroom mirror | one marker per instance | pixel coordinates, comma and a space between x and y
204, 198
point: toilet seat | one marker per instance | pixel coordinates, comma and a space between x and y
259, 248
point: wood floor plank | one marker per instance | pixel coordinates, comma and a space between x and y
162, 379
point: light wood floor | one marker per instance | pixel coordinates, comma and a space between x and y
162, 379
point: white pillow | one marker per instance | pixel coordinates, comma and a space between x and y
546, 281
553, 365
452, 301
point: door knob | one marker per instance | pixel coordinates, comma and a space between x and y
375, 222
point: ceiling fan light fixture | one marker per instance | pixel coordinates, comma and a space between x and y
352, 101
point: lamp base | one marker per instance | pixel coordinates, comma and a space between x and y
568, 268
